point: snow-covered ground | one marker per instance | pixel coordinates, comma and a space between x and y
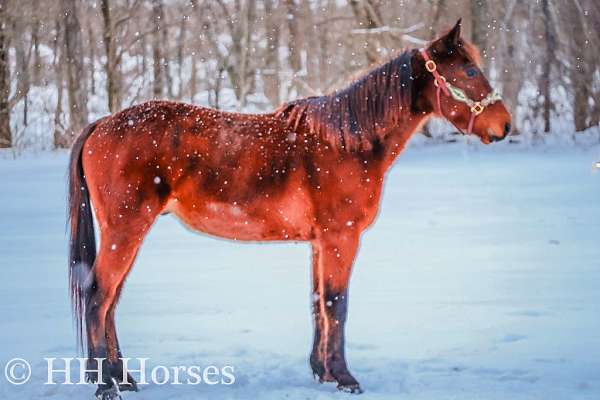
480, 280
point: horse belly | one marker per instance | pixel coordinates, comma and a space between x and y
288, 218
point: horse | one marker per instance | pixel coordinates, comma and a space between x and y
310, 171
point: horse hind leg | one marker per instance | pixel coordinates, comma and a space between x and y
119, 245
114, 349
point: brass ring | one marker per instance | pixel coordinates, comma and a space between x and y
430, 66
477, 108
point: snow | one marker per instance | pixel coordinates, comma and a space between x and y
479, 281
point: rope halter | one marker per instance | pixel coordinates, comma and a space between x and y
476, 107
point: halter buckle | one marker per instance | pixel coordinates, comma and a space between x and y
477, 108
430, 65
441, 78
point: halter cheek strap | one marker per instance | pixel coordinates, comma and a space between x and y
476, 107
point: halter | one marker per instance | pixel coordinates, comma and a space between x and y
442, 85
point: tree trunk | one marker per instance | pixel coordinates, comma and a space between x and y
324, 55
193, 78
240, 48
594, 27
157, 58
112, 68
92, 61
439, 9
368, 16
165, 55
59, 137
550, 48
76, 83
5, 136
37, 58
21, 63
181, 38
294, 44
580, 77
510, 78
311, 44
270, 72
479, 23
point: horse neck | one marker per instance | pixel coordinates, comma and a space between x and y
395, 137
395, 134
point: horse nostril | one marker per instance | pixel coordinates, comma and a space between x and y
507, 128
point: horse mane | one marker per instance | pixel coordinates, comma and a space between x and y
353, 118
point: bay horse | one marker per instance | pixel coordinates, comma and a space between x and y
312, 171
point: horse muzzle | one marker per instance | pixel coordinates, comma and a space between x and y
494, 137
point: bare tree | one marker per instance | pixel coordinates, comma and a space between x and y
112, 66
479, 24
326, 7
58, 133
181, 41
368, 16
37, 58
22, 53
76, 84
594, 26
439, 9
294, 43
579, 74
270, 72
228, 53
5, 135
157, 58
549, 60
241, 35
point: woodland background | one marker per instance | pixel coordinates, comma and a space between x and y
64, 63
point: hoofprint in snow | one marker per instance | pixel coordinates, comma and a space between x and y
479, 280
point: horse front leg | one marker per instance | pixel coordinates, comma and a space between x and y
333, 256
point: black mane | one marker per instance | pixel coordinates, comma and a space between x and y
352, 118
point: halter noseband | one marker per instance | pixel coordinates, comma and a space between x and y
476, 107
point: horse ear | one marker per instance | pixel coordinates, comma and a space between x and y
453, 36
449, 41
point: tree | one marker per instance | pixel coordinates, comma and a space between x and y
439, 9
157, 58
549, 60
5, 135
270, 72
580, 76
76, 83
294, 43
112, 70
253, 55
479, 24
368, 16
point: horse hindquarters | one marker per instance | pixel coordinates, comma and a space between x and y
125, 207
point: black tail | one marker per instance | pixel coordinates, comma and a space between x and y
82, 245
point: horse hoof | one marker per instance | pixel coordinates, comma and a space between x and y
129, 386
353, 388
111, 393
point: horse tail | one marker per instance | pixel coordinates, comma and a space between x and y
82, 241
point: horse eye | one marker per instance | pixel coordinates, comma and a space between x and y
471, 72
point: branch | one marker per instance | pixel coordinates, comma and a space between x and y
388, 29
